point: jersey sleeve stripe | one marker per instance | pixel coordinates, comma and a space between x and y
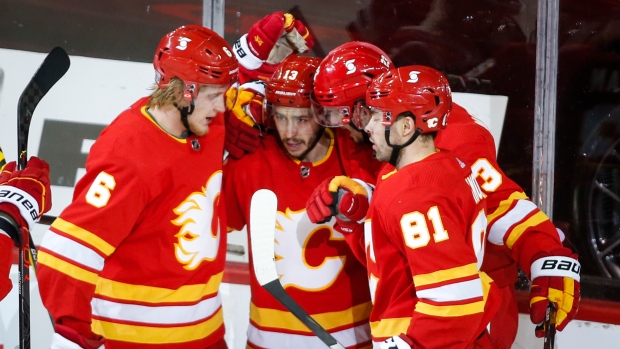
72, 250
83, 235
505, 205
533, 221
453, 292
139, 293
157, 335
445, 275
67, 268
498, 228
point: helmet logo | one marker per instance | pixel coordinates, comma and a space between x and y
350, 64
183, 43
432, 123
413, 77
384, 61
258, 40
227, 51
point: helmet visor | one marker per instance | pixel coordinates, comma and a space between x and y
330, 116
364, 114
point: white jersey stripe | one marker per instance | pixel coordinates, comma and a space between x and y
269, 339
162, 315
72, 250
453, 292
498, 229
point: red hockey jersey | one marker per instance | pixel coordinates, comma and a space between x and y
317, 267
138, 256
517, 229
427, 222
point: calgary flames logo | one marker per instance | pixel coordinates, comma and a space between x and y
198, 238
304, 258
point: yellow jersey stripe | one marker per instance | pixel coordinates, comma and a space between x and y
445, 275
157, 335
67, 268
184, 294
389, 327
504, 205
450, 310
516, 232
83, 235
273, 318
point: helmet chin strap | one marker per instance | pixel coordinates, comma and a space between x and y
314, 143
185, 111
397, 148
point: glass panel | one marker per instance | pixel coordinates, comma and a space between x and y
587, 181
122, 30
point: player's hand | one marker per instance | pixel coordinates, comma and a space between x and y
243, 120
555, 278
397, 342
268, 42
68, 338
340, 196
31, 187
297, 34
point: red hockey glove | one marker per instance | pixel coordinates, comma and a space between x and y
267, 43
343, 197
243, 120
555, 278
6, 246
397, 342
68, 338
25, 194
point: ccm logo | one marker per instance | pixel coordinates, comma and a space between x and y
565, 265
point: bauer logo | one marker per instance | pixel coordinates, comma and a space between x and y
563, 264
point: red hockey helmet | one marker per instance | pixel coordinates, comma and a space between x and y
291, 84
196, 55
342, 79
418, 89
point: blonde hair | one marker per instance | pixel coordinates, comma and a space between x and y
169, 95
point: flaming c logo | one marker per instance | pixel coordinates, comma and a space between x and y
198, 237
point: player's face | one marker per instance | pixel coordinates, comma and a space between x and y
208, 103
296, 127
376, 134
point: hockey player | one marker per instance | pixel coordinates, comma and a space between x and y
316, 266
24, 196
519, 233
426, 222
137, 258
260, 51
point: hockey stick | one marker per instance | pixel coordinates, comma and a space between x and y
263, 210
54, 66
235, 249
548, 326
